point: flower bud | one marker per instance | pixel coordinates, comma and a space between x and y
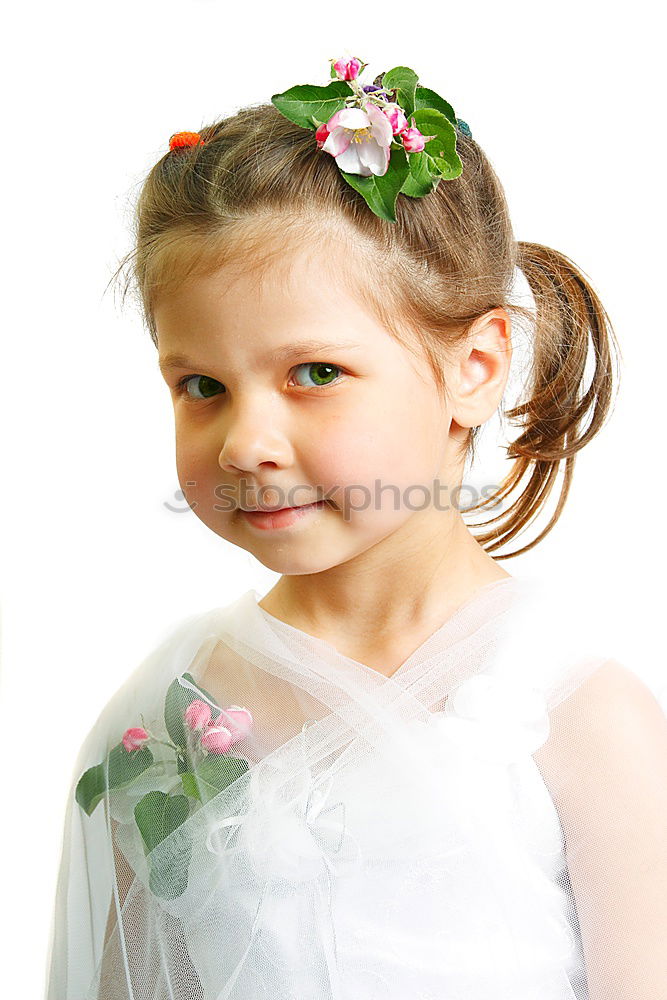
237, 720
134, 738
413, 140
197, 714
347, 69
216, 739
396, 118
321, 135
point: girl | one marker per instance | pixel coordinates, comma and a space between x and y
394, 775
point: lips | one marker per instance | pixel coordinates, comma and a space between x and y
254, 510
284, 518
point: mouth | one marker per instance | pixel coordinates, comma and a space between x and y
261, 510
283, 517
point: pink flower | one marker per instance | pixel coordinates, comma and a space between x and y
413, 140
397, 119
347, 69
359, 140
237, 720
134, 738
216, 739
197, 714
321, 135
232, 725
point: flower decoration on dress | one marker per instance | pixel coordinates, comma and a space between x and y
290, 838
200, 734
389, 137
496, 718
291, 831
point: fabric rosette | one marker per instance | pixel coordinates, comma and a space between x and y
495, 719
292, 829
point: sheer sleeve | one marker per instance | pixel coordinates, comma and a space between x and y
100, 909
605, 765
131, 965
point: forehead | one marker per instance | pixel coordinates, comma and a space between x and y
327, 285
265, 246
291, 287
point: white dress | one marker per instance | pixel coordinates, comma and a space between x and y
381, 837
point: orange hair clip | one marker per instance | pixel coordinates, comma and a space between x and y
180, 139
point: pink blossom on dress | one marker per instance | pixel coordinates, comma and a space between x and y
237, 720
197, 714
232, 725
134, 738
216, 739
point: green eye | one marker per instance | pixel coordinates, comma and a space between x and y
321, 371
206, 379
321, 374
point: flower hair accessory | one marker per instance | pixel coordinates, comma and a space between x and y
180, 139
389, 137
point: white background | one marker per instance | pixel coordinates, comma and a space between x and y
568, 102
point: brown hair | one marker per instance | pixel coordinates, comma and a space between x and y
448, 259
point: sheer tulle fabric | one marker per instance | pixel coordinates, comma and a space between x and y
391, 836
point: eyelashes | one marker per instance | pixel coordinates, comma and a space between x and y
182, 384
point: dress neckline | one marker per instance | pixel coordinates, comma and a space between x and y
450, 624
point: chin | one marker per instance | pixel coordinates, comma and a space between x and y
281, 558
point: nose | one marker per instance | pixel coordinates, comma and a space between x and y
251, 440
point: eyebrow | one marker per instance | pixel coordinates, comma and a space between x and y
171, 361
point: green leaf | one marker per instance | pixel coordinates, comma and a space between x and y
420, 181
90, 788
214, 773
442, 148
425, 98
301, 103
380, 193
169, 878
176, 702
124, 767
158, 814
444, 168
403, 80
189, 783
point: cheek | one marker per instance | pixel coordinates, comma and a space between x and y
400, 443
193, 467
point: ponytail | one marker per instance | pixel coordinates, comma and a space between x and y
560, 416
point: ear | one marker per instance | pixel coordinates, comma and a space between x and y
477, 380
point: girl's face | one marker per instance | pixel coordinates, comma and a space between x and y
358, 421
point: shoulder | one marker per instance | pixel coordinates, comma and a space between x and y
605, 764
612, 706
608, 745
